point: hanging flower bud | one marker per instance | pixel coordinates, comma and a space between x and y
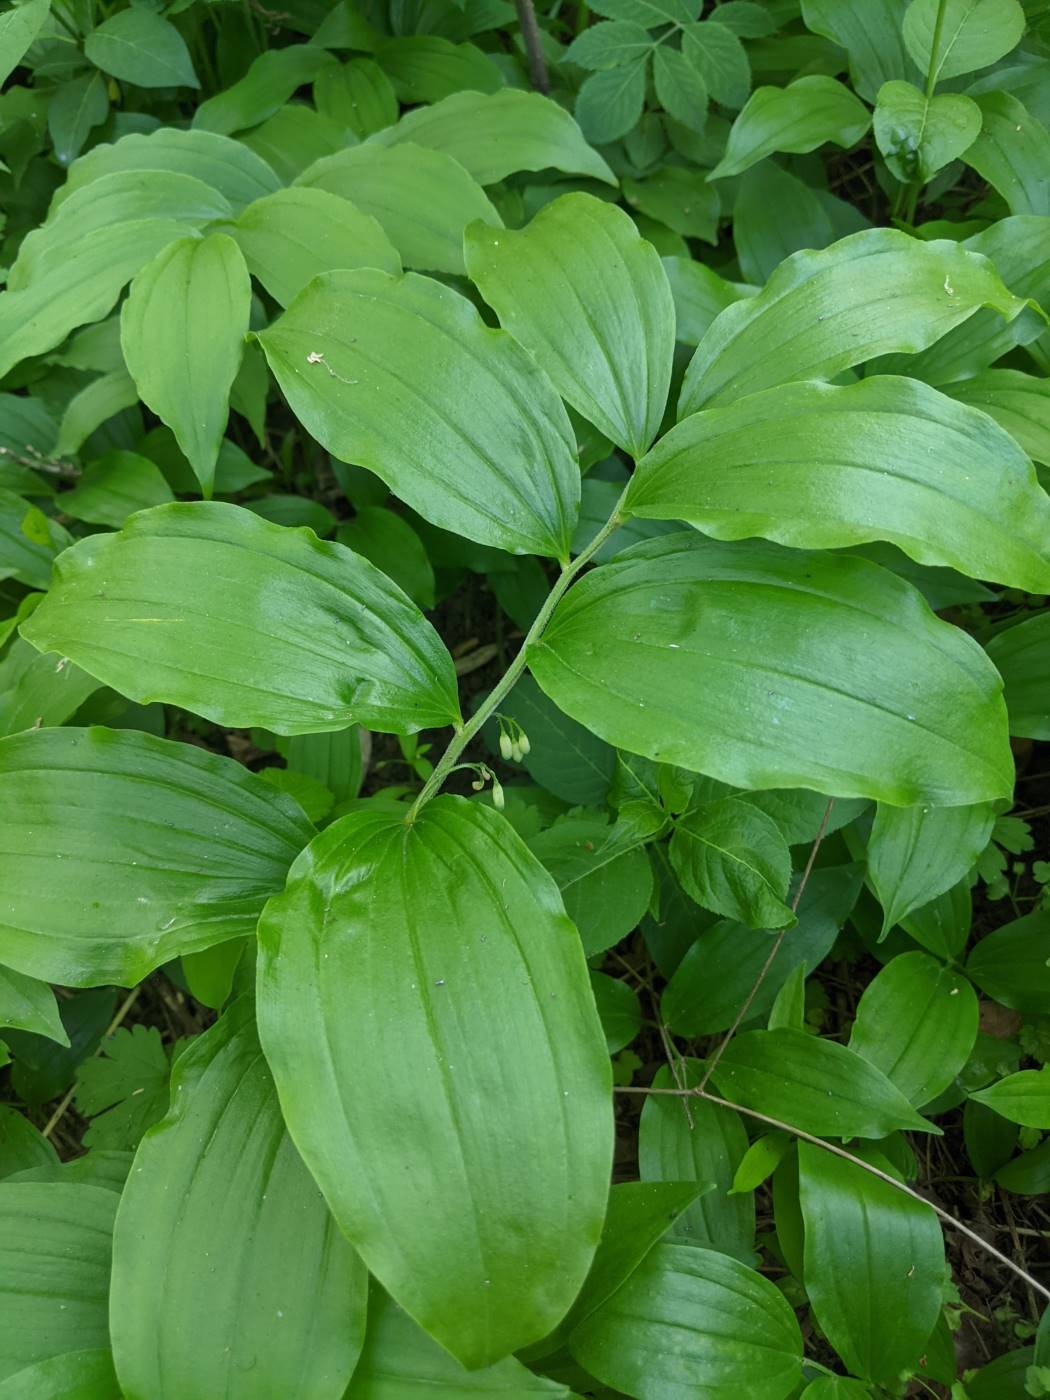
497, 794
506, 746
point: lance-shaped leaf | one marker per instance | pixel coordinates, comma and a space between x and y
874, 1265
816, 1085
444, 1075
809, 670
493, 135
1022, 655
230, 1275
211, 607
54, 1270
799, 118
589, 297
690, 1322
422, 199
1022, 1098
731, 858
292, 236
918, 853
402, 376
917, 1023
874, 292
122, 851
182, 331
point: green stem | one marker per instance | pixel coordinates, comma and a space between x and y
463, 736
931, 72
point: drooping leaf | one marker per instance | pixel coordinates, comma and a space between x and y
493, 135
685, 1321
917, 1023
54, 1270
1022, 1098
482, 1220
949, 37
797, 118
141, 610
1022, 656
267, 85
730, 857
292, 236
761, 641
814, 1084
870, 32
1012, 964
820, 313
141, 47
228, 1270
589, 297
919, 135
401, 375
874, 1265
1012, 153
164, 848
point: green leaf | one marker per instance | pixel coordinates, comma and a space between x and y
604, 876
228, 1269
776, 214
29, 541
19, 26
731, 858
874, 1265
1012, 153
140, 611
968, 34
1022, 655
428, 67
493, 135
115, 486
268, 84
699, 295
760, 1161
29, 1005
815, 466
610, 103
609, 44
798, 118
182, 330
73, 111
337, 760
422, 199
400, 1361
685, 1321
719, 57
139, 46
943, 926
761, 641
295, 138
1018, 402
564, 757
22, 1146
870, 32
589, 298
481, 1222
619, 1010
76, 1375
39, 689
392, 545
813, 1084
919, 135
99, 401
1022, 1098
401, 375
820, 313
125, 1088
358, 95
711, 982
164, 848
54, 1270
694, 1140
679, 198
918, 853
680, 86
1012, 965
917, 1023
292, 236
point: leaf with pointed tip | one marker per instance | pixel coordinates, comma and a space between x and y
208, 606
1011, 964
610, 103
226, 1260
19, 26
762, 641
949, 37
139, 46
1021, 1098
268, 84
483, 1219
918, 853
820, 313
27, 1004
115, 486
402, 376
870, 32
796, 118
1012, 152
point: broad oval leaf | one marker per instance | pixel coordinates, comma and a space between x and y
1022, 655
402, 376
917, 1023
230, 1275
874, 292
493, 135
814, 1084
208, 606
765, 643
421, 198
292, 236
444, 1075
918, 853
797, 118
141, 47
589, 297
182, 331
874, 1265
731, 857
690, 1322
54, 1270
122, 851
